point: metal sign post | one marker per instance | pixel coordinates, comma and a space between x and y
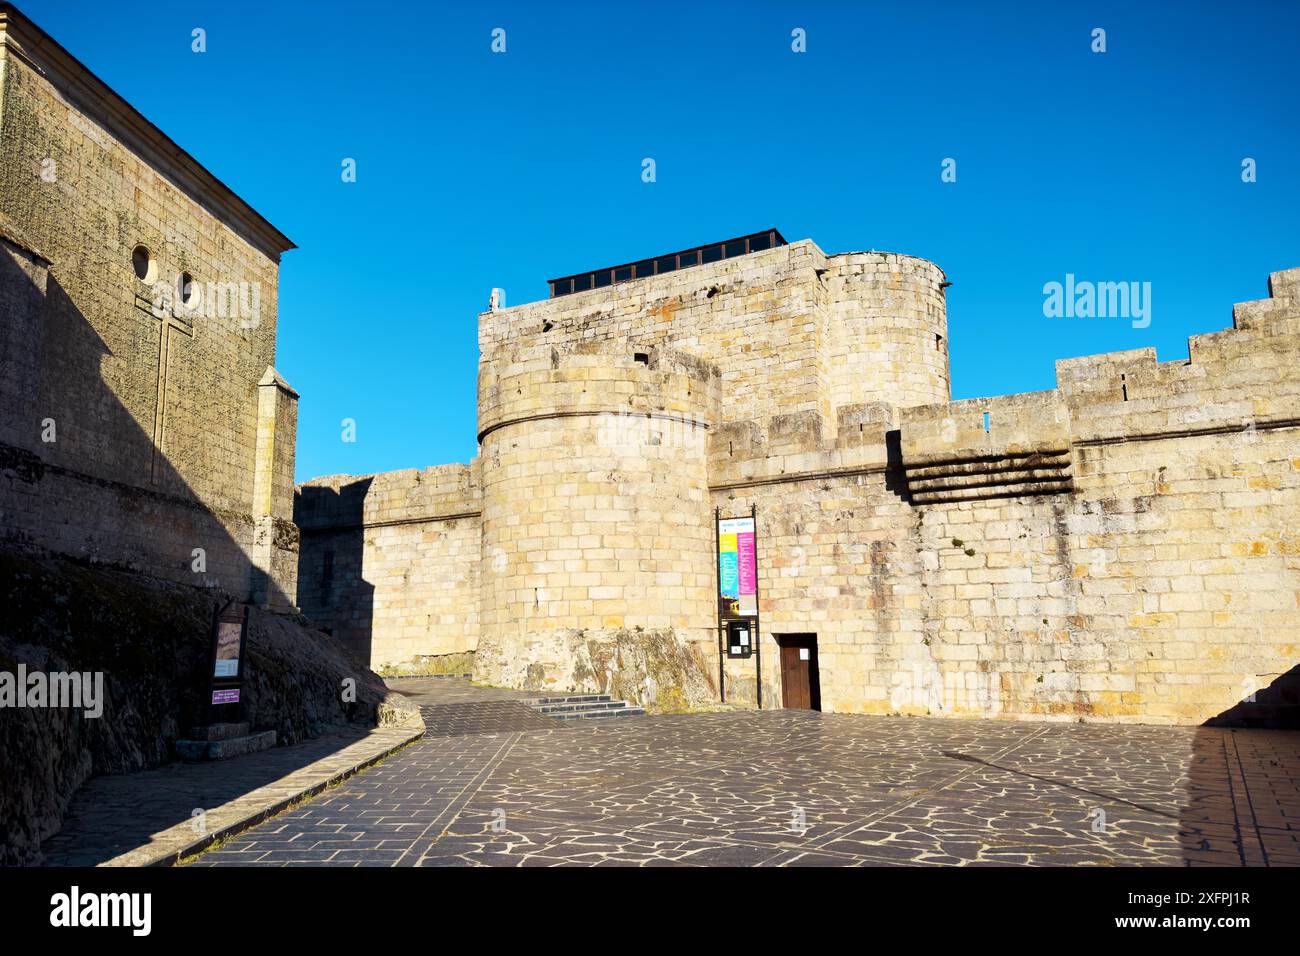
229, 628
758, 645
722, 637
738, 617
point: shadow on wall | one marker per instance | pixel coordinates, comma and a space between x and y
102, 490
1242, 807
332, 591
80, 520
1277, 705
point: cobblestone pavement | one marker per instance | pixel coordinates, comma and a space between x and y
795, 788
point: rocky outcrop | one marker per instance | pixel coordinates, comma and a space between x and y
150, 639
651, 667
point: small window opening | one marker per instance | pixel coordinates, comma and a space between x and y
986, 422
185, 288
1123, 384
642, 357
142, 262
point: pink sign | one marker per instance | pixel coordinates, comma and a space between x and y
226, 696
748, 571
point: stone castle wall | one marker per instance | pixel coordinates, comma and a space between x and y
390, 563
167, 434
1117, 548
1121, 547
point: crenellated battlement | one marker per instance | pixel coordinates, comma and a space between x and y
1245, 377
1021, 445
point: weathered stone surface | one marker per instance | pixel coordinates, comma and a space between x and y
139, 428
224, 748
652, 667
227, 731
151, 641
391, 563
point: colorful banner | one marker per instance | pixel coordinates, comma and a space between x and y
738, 568
729, 563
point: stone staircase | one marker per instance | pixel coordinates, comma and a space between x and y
583, 706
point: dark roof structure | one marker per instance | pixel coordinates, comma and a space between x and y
671, 262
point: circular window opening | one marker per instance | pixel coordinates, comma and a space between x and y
185, 286
143, 264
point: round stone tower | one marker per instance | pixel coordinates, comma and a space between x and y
597, 553
888, 330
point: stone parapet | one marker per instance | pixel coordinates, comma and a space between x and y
658, 383
355, 502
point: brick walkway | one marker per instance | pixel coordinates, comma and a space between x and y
793, 788
139, 819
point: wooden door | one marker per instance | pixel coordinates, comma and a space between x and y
796, 677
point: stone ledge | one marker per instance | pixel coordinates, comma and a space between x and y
224, 747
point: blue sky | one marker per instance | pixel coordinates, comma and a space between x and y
477, 169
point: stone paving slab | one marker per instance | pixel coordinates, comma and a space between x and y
487, 717
436, 691
453, 707
797, 788
146, 818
